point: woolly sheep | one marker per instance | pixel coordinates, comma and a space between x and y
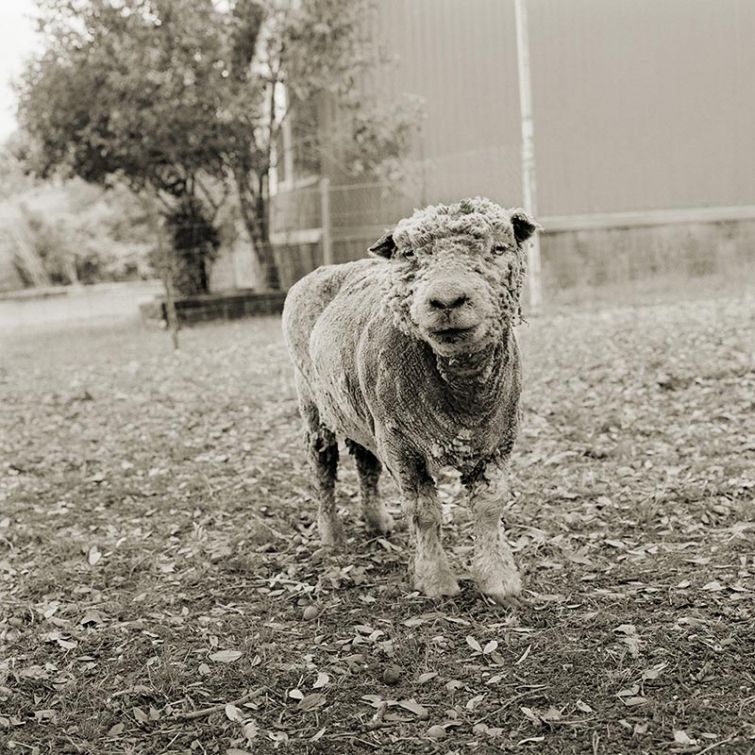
411, 357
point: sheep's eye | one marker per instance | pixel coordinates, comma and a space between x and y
499, 249
409, 254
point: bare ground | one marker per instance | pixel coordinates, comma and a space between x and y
162, 589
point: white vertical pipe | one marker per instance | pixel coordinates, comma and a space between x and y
325, 222
529, 186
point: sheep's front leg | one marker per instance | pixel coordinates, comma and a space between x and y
431, 573
493, 564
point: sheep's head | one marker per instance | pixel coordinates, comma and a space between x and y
457, 273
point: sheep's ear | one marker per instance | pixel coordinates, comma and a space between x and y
385, 246
523, 225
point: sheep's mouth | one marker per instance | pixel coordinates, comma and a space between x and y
450, 335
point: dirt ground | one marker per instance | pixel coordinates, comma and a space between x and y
162, 589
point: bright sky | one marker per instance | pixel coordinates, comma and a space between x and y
17, 42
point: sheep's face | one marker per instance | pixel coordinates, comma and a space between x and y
456, 273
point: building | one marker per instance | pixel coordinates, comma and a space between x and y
644, 115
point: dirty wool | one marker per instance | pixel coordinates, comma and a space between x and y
410, 356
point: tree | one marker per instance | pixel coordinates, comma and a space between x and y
307, 54
185, 99
124, 92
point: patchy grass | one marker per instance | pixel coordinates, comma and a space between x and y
156, 512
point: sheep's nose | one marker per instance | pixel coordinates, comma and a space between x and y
449, 300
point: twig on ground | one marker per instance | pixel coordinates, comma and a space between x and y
512, 700
221, 706
717, 744
351, 736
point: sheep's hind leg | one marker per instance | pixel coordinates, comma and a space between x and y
493, 562
369, 468
322, 450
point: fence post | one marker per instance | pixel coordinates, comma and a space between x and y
325, 224
167, 266
528, 149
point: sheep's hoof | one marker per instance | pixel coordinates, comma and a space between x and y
378, 520
504, 591
507, 601
436, 583
332, 535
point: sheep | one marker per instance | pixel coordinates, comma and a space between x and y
410, 356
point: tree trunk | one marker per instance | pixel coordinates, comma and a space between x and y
194, 242
255, 214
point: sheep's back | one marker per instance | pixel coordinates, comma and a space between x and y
335, 300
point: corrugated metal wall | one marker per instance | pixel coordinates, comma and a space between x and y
641, 107
459, 56
643, 104
638, 104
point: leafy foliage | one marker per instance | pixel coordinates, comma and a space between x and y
128, 89
71, 232
186, 97
184, 603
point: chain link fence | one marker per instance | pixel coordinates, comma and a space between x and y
631, 257
589, 260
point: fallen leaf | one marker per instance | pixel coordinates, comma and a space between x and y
473, 702
374, 700
414, 622
654, 672
426, 677
92, 616
632, 702
249, 730
226, 656
313, 701
682, 738
233, 713
322, 680
714, 586
46, 715
472, 642
414, 707
140, 715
